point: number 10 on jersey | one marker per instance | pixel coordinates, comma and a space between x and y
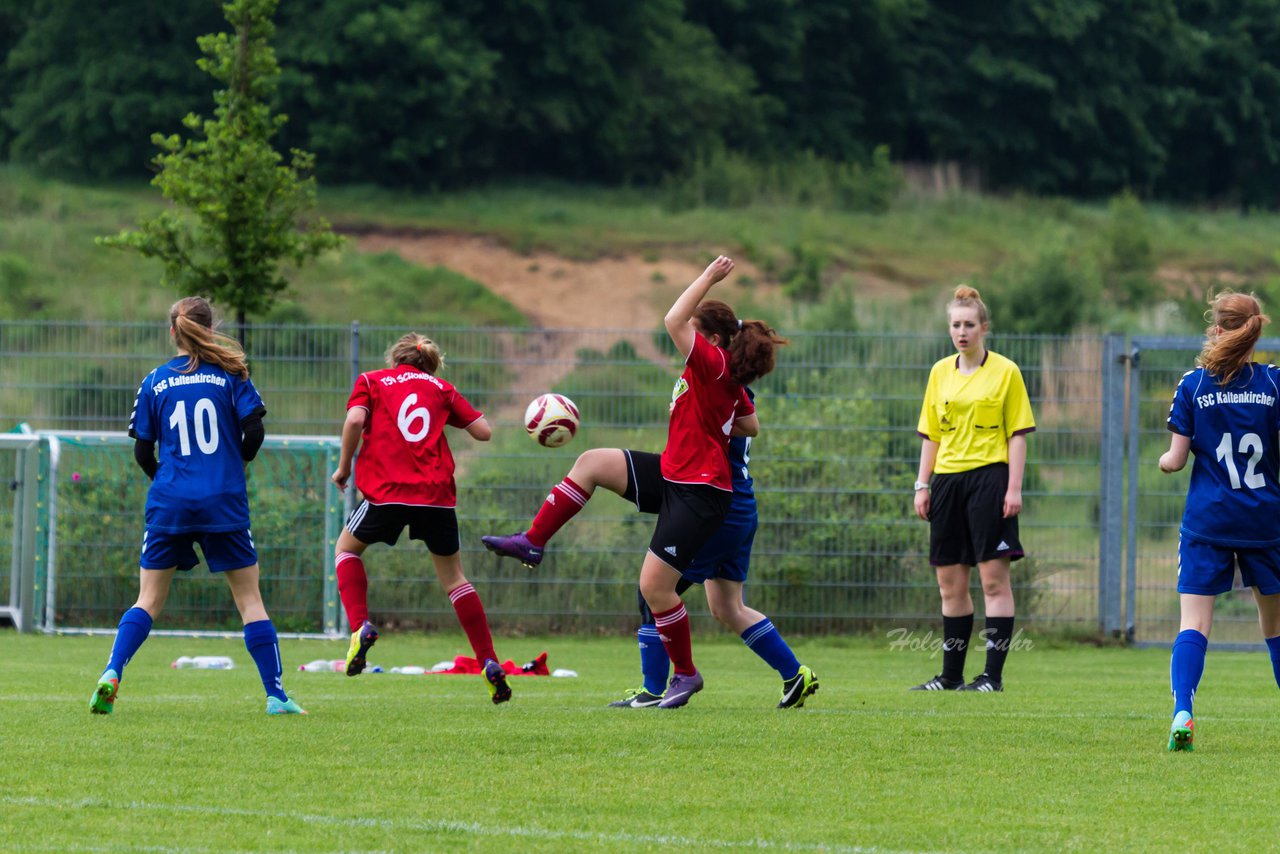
206, 426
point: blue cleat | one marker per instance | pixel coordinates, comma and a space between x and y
516, 546
679, 690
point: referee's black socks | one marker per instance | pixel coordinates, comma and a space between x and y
999, 635
956, 632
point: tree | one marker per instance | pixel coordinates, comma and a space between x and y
74, 87
245, 202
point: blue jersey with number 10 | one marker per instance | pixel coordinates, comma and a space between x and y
194, 419
1234, 496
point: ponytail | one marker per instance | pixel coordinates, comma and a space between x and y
416, 350
752, 351
191, 320
1239, 321
751, 343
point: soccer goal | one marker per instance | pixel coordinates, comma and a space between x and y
77, 524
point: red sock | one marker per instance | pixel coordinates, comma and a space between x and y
673, 628
353, 588
564, 502
470, 611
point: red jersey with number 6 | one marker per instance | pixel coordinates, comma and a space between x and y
404, 457
704, 404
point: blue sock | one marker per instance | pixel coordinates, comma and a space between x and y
135, 625
763, 639
1186, 666
654, 662
260, 639
1273, 644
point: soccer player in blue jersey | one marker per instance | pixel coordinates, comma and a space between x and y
203, 412
1227, 411
721, 566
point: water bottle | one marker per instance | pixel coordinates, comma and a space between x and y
562, 673
411, 670
204, 662
320, 665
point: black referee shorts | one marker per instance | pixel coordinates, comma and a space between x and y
383, 523
688, 513
966, 518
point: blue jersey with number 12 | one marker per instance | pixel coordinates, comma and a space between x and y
194, 419
1234, 496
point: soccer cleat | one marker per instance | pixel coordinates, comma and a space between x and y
496, 677
637, 698
286, 707
362, 640
517, 546
940, 683
103, 701
1182, 734
679, 690
984, 683
794, 690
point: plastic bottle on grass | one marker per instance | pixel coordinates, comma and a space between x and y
411, 670
204, 662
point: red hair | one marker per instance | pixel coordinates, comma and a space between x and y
1238, 319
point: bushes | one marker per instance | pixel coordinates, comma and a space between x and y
721, 178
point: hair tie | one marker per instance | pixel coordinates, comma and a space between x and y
739, 322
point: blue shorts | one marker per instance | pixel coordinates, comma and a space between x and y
1209, 570
727, 554
222, 550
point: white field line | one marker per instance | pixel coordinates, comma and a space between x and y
438, 826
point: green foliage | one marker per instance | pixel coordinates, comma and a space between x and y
728, 179
17, 297
802, 280
1051, 291
1128, 259
246, 203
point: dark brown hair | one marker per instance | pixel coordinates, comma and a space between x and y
191, 319
1239, 319
751, 343
416, 350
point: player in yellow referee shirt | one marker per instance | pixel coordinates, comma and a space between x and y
973, 423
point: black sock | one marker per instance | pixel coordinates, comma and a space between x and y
999, 637
956, 632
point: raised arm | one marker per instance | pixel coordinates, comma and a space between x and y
678, 318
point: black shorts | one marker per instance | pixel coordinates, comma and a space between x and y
966, 518
688, 513
383, 523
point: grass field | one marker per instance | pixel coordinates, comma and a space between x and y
1070, 757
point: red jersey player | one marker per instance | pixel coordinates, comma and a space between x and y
406, 478
689, 485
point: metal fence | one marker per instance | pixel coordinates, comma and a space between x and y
838, 550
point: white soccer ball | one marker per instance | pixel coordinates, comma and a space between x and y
551, 420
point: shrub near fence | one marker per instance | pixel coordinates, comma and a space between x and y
838, 549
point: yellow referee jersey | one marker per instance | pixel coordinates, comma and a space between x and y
972, 418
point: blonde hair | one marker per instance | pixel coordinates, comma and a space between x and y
967, 297
191, 319
416, 350
1240, 320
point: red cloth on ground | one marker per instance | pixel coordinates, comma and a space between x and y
469, 666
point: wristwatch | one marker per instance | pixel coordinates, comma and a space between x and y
920, 484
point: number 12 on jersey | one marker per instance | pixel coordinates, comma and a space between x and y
1250, 443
